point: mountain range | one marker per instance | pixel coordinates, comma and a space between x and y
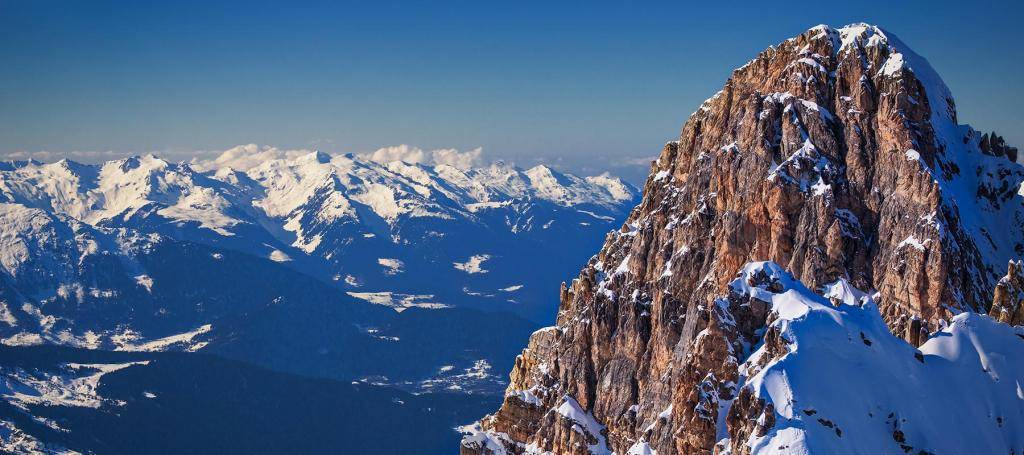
367, 281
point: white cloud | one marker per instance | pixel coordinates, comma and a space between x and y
407, 153
245, 157
248, 156
457, 159
416, 155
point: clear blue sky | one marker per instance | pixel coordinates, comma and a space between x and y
581, 81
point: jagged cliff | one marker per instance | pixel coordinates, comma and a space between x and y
836, 156
1008, 299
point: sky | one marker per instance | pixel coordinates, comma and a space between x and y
588, 86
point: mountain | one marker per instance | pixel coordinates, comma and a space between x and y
378, 280
805, 273
94, 255
362, 226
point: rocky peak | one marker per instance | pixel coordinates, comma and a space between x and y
1008, 298
835, 156
994, 145
316, 156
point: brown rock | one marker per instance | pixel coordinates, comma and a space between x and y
1008, 298
818, 156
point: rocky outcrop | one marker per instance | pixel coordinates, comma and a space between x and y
1008, 298
835, 154
994, 145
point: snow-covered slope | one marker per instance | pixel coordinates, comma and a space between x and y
840, 382
829, 377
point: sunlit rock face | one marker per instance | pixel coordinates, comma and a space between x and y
825, 204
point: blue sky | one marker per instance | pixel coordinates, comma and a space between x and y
590, 84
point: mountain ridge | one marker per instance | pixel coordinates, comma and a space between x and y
337, 218
829, 172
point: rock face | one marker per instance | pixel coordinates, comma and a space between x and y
1008, 301
836, 155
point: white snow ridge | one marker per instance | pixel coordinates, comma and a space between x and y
847, 385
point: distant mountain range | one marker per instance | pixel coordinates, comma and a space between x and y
394, 275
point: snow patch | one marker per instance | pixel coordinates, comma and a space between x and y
279, 256
399, 302
181, 340
473, 264
391, 266
585, 424
146, 282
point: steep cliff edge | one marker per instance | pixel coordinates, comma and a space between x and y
837, 157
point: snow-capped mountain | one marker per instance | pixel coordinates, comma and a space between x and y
311, 264
386, 275
808, 272
373, 229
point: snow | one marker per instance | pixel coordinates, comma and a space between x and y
22, 339
279, 256
913, 242
902, 57
641, 448
22, 229
479, 206
181, 340
399, 302
600, 217
473, 379
568, 190
205, 206
475, 435
584, 423
119, 189
62, 223
615, 188
15, 440
473, 264
8, 318
526, 396
893, 65
296, 196
846, 378
813, 64
381, 199
75, 386
145, 281
623, 266
391, 266
806, 153
843, 292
